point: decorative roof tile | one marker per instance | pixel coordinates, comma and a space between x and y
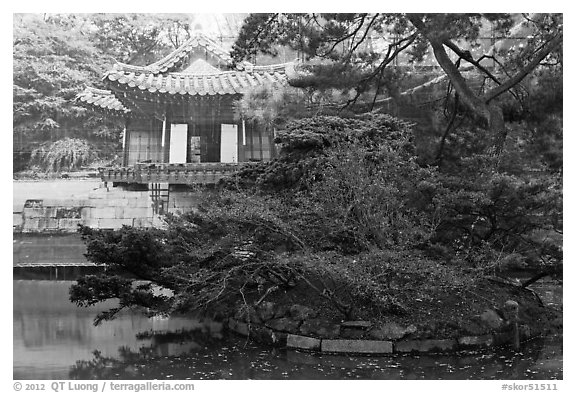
103, 99
217, 83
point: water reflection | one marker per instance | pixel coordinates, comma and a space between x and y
53, 339
51, 334
232, 360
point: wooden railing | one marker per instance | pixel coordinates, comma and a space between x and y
192, 173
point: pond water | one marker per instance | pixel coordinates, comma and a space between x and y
53, 339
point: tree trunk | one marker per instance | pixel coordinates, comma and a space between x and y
497, 128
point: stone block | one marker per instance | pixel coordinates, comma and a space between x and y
352, 334
69, 224
265, 311
40, 212
82, 202
525, 332
139, 202
136, 195
109, 223
476, 341
123, 202
425, 345
302, 342
298, 311
356, 324
136, 212
238, 327
284, 325
279, 339
127, 221
99, 193
98, 203
104, 212
91, 223
158, 222
30, 225
68, 212
47, 224
320, 328
69, 202
86, 213
491, 319
357, 346
267, 336
391, 331
141, 222
281, 311
119, 212
17, 219
503, 338
112, 202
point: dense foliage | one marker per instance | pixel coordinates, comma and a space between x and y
66, 153
57, 55
358, 216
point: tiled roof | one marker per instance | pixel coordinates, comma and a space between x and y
167, 63
199, 79
194, 84
103, 99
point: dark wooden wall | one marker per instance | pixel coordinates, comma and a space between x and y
143, 141
204, 118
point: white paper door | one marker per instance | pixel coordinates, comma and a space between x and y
178, 143
229, 143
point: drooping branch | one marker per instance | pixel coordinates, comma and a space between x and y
346, 36
399, 46
366, 31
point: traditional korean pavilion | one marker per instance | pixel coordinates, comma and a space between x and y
181, 123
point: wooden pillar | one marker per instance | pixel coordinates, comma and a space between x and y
166, 126
242, 142
124, 152
125, 143
163, 142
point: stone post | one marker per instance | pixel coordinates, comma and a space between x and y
512, 310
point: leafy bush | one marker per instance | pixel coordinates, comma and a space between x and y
65, 154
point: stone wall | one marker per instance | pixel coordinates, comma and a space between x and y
112, 207
299, 327
104, 208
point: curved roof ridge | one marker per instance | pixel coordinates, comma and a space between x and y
170, 60
248, 70
283, 67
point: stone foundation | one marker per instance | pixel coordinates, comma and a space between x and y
368, 347
105, 208
300, 327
